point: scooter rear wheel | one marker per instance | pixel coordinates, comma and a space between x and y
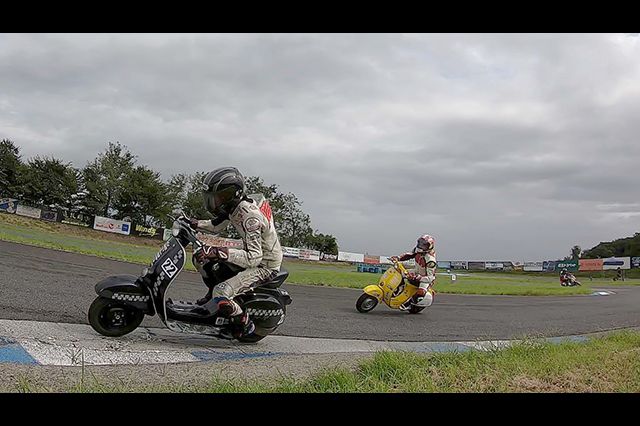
416, 309
366, 303
111, 318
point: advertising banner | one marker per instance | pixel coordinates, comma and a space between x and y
532, 266
385, 260
344, 256
444, 264
8, 205
549, 265
23, 210
147, 231
494, 266
458, 264
111, 225
290, 252
635, 262
372, 260
475, 265
306, 254
49, 215
613, 263
329, 257
590, 265
77, 219
569, 265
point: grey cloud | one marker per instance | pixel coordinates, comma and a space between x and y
501, 145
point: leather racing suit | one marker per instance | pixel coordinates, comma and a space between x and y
258, 261
424, 275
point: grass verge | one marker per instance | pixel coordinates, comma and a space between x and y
609, 363
140, 251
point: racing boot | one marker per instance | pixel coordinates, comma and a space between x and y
416, 298
241, 325
239, 322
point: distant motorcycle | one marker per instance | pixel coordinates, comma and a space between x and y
569, 281
393, 289
124, 300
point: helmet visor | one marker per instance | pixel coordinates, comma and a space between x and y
423, 245
214, 202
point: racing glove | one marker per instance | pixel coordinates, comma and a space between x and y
414, 278
209, 253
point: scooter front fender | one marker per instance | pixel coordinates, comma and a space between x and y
127, 289
373, 290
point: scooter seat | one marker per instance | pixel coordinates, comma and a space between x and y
276, 281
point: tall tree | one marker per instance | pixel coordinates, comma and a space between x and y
193, 202
629, 246
324, 243
48, 181
105, 176
177, 189
10, 164
292, 223
576, 251
143, 197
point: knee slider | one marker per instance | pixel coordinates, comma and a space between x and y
223, 290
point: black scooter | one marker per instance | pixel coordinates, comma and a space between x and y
124, 300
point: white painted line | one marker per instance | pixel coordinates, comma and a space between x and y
602, 292
78, 344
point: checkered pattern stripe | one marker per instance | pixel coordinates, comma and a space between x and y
264, 312
130, 297
156, 285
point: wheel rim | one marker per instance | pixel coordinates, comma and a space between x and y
369, 303
115, 317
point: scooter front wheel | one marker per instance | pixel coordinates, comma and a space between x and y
366, 303
114, 319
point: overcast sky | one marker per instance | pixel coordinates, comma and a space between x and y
503, 147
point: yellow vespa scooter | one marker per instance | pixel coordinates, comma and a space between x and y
393, 289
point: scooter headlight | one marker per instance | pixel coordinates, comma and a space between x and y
175, 229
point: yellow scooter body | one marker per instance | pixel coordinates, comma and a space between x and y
392, 289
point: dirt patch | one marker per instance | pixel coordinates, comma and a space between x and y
524, 383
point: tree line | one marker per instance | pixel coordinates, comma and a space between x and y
622, 247
114, 185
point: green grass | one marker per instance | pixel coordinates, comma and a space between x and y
141, 251
78, 244
609, 363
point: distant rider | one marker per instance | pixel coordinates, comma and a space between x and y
226, 271
424, 273
566, 277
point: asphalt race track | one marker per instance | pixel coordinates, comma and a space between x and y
58, 287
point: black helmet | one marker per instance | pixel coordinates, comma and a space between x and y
223, 189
